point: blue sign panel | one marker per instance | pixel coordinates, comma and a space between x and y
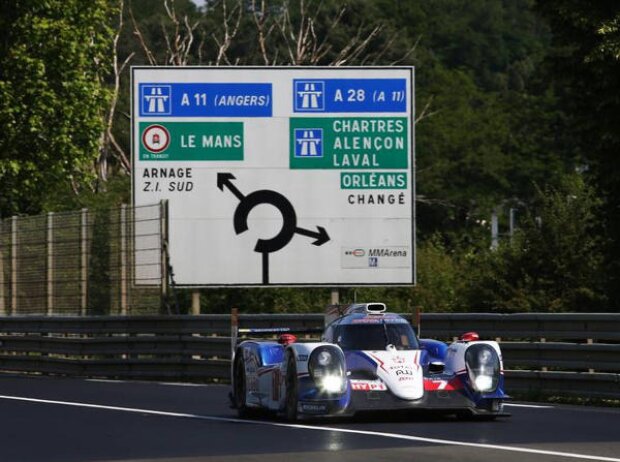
349, 95
206, 99
308, 142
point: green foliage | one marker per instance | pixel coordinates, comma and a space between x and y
553, 263
488, 126
498, 42
53, 59
440, 278
462, 167
584, 67
282, 300
117, 191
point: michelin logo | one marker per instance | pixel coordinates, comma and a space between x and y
309, 95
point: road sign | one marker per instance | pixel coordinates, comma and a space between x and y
155, 138
284, 176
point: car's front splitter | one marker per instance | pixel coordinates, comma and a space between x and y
441, 400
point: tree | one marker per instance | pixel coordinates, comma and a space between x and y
584, 67
554, 262
54, 56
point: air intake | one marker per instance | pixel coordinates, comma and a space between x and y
370, 308
375, 308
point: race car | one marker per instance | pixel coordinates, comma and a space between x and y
367, 360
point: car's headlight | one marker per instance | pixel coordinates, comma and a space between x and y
482, 364
333, 384
483, 383
327, 368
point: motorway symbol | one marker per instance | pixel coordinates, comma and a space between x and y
156, 100
308, 142
309, 95
289, 219
155, 138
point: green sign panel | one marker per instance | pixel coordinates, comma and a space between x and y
373, 180
174, 141
349, 143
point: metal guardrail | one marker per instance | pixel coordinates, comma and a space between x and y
137, 347
198, 347
537, 326
568, 356
574, 384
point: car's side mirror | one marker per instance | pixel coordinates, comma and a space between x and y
436, 367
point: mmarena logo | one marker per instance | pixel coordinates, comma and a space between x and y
387, 253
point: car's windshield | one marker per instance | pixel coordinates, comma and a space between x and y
376, 336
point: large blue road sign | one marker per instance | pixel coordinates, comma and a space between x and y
350, 95
206, 99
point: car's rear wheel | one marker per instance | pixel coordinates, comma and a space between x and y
290, 409
240, 386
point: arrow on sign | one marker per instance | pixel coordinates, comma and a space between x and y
289, 219
224, 180
320, 235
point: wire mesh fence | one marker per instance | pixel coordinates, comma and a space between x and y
88, 262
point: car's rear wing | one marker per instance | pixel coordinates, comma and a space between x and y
252, 332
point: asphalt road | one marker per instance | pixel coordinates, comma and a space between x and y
61, 419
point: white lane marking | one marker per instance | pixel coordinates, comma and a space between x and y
312, 427
532, 406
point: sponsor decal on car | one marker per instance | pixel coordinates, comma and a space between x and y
442, 384
367, 321
368, 385
313, 408
407, 371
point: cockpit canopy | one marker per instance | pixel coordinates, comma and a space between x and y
360, 332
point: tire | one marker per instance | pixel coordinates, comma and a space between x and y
239, 389
492, 415
290, 407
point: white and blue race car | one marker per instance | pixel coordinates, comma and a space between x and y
368, 360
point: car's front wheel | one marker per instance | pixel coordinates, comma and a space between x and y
240, 386
290, 409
